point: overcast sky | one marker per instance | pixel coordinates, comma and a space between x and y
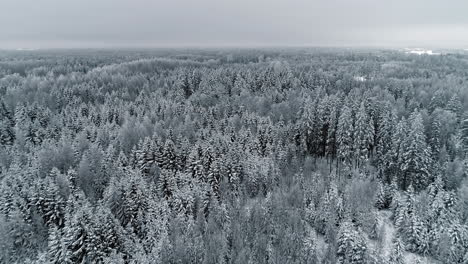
156, 23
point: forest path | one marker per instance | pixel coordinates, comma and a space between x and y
387, 241
389, 232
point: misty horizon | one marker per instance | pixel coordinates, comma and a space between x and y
209, 23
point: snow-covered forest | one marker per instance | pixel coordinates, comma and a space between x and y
233, 156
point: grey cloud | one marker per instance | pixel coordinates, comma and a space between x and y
73, 23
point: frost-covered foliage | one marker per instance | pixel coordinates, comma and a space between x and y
233, 156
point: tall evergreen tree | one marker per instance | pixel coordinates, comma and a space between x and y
398, 149
351, 245
396, 256
363, 135
7, 124
344, 135
416, 159
385, 138
331, 147
57, 251
454, 105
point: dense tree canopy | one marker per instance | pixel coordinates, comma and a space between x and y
233, 156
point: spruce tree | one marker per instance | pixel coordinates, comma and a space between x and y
455, 106
351, 245
331, 136
416, 157
363, 135
78, 234
7, 124
384, 142
435, 140
395, 155
344, 136
56, 246
309, 247
396, 255
381, 199
464, 133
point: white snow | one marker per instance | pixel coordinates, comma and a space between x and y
360, 78
389, 233
420, 51
25, 49
321, 246
387, 241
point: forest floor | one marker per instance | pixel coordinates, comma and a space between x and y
384, 246
388, 231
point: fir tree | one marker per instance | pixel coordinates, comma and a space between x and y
7, 124
464, 133
78, 234
454, 105
396, 256
344, 135
384, 141
351, 246
435, 140
57, 251
363, 135
381, 201
309, 248
331, 147
415, 158
398, 149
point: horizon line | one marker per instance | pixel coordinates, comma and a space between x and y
227, 46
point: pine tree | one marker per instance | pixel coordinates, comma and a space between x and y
207, 159
374, 229
416, 157
363, 135
381, 201
48, 202
392, 192
437, 100
435, 140
183, 84
384, 141
399, 208
454, 105
146, 155
78, 235
128, 200
107, 235
214, 177
57, 251
331, 137
309, 126
167, 184
351, 245
396, 256
169, 159
122, 161
7, 124
240, 85
457, 235
344, 135
309, 247
194, 163
395, 155
464, 133
417, 239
